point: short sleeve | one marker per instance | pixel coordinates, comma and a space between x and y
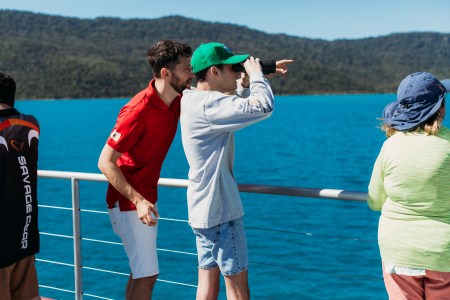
126, 131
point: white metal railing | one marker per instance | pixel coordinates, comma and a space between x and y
248, 188
75, 178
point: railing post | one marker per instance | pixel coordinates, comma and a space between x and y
77, 239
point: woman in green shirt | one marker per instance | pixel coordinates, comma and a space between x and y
410, 184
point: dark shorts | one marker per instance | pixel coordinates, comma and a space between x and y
19, 280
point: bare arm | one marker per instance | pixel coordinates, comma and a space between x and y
108, 166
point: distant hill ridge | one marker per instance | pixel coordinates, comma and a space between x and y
62, 57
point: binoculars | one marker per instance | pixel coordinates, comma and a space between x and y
267, 67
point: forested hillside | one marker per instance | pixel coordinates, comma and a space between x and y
61, 57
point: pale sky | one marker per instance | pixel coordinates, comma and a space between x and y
325, 19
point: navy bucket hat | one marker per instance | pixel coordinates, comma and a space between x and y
419, 97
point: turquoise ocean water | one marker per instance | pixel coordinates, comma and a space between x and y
299, 248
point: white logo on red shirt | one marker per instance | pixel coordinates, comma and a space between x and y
115, 135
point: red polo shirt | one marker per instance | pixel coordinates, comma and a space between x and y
143, 133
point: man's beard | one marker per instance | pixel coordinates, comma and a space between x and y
177, 84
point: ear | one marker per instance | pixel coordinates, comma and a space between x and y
214, 71
165, 73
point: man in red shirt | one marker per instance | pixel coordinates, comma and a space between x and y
132, 158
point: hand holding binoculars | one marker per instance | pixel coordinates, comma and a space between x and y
267, 67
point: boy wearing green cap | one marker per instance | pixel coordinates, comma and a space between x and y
209, 117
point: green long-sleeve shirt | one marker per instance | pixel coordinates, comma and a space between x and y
410, 184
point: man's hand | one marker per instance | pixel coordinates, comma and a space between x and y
252, 65
144, 211
244, 81
282, 67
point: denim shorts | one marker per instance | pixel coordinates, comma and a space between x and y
223, 246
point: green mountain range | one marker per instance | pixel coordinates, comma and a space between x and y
62, 57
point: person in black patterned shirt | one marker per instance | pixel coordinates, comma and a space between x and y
19, 233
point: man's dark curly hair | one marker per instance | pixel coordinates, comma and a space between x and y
166, 54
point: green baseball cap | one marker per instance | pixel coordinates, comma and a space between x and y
211, 54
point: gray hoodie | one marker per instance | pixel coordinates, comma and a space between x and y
208, 121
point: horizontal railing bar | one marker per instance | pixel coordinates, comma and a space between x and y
171, 182
303, 192
94, 211
55, 262
313, 234
117, 243
57, 235
252, 262
175, 251
317, 271
248, 188
175, 282
55, 288
105, 212
101, 212
191, 285
101, 241
247, 227
70, 175
125, 274
174, 220
105, 271
55, 207
98, 297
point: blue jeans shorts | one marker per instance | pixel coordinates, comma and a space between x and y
223, 246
